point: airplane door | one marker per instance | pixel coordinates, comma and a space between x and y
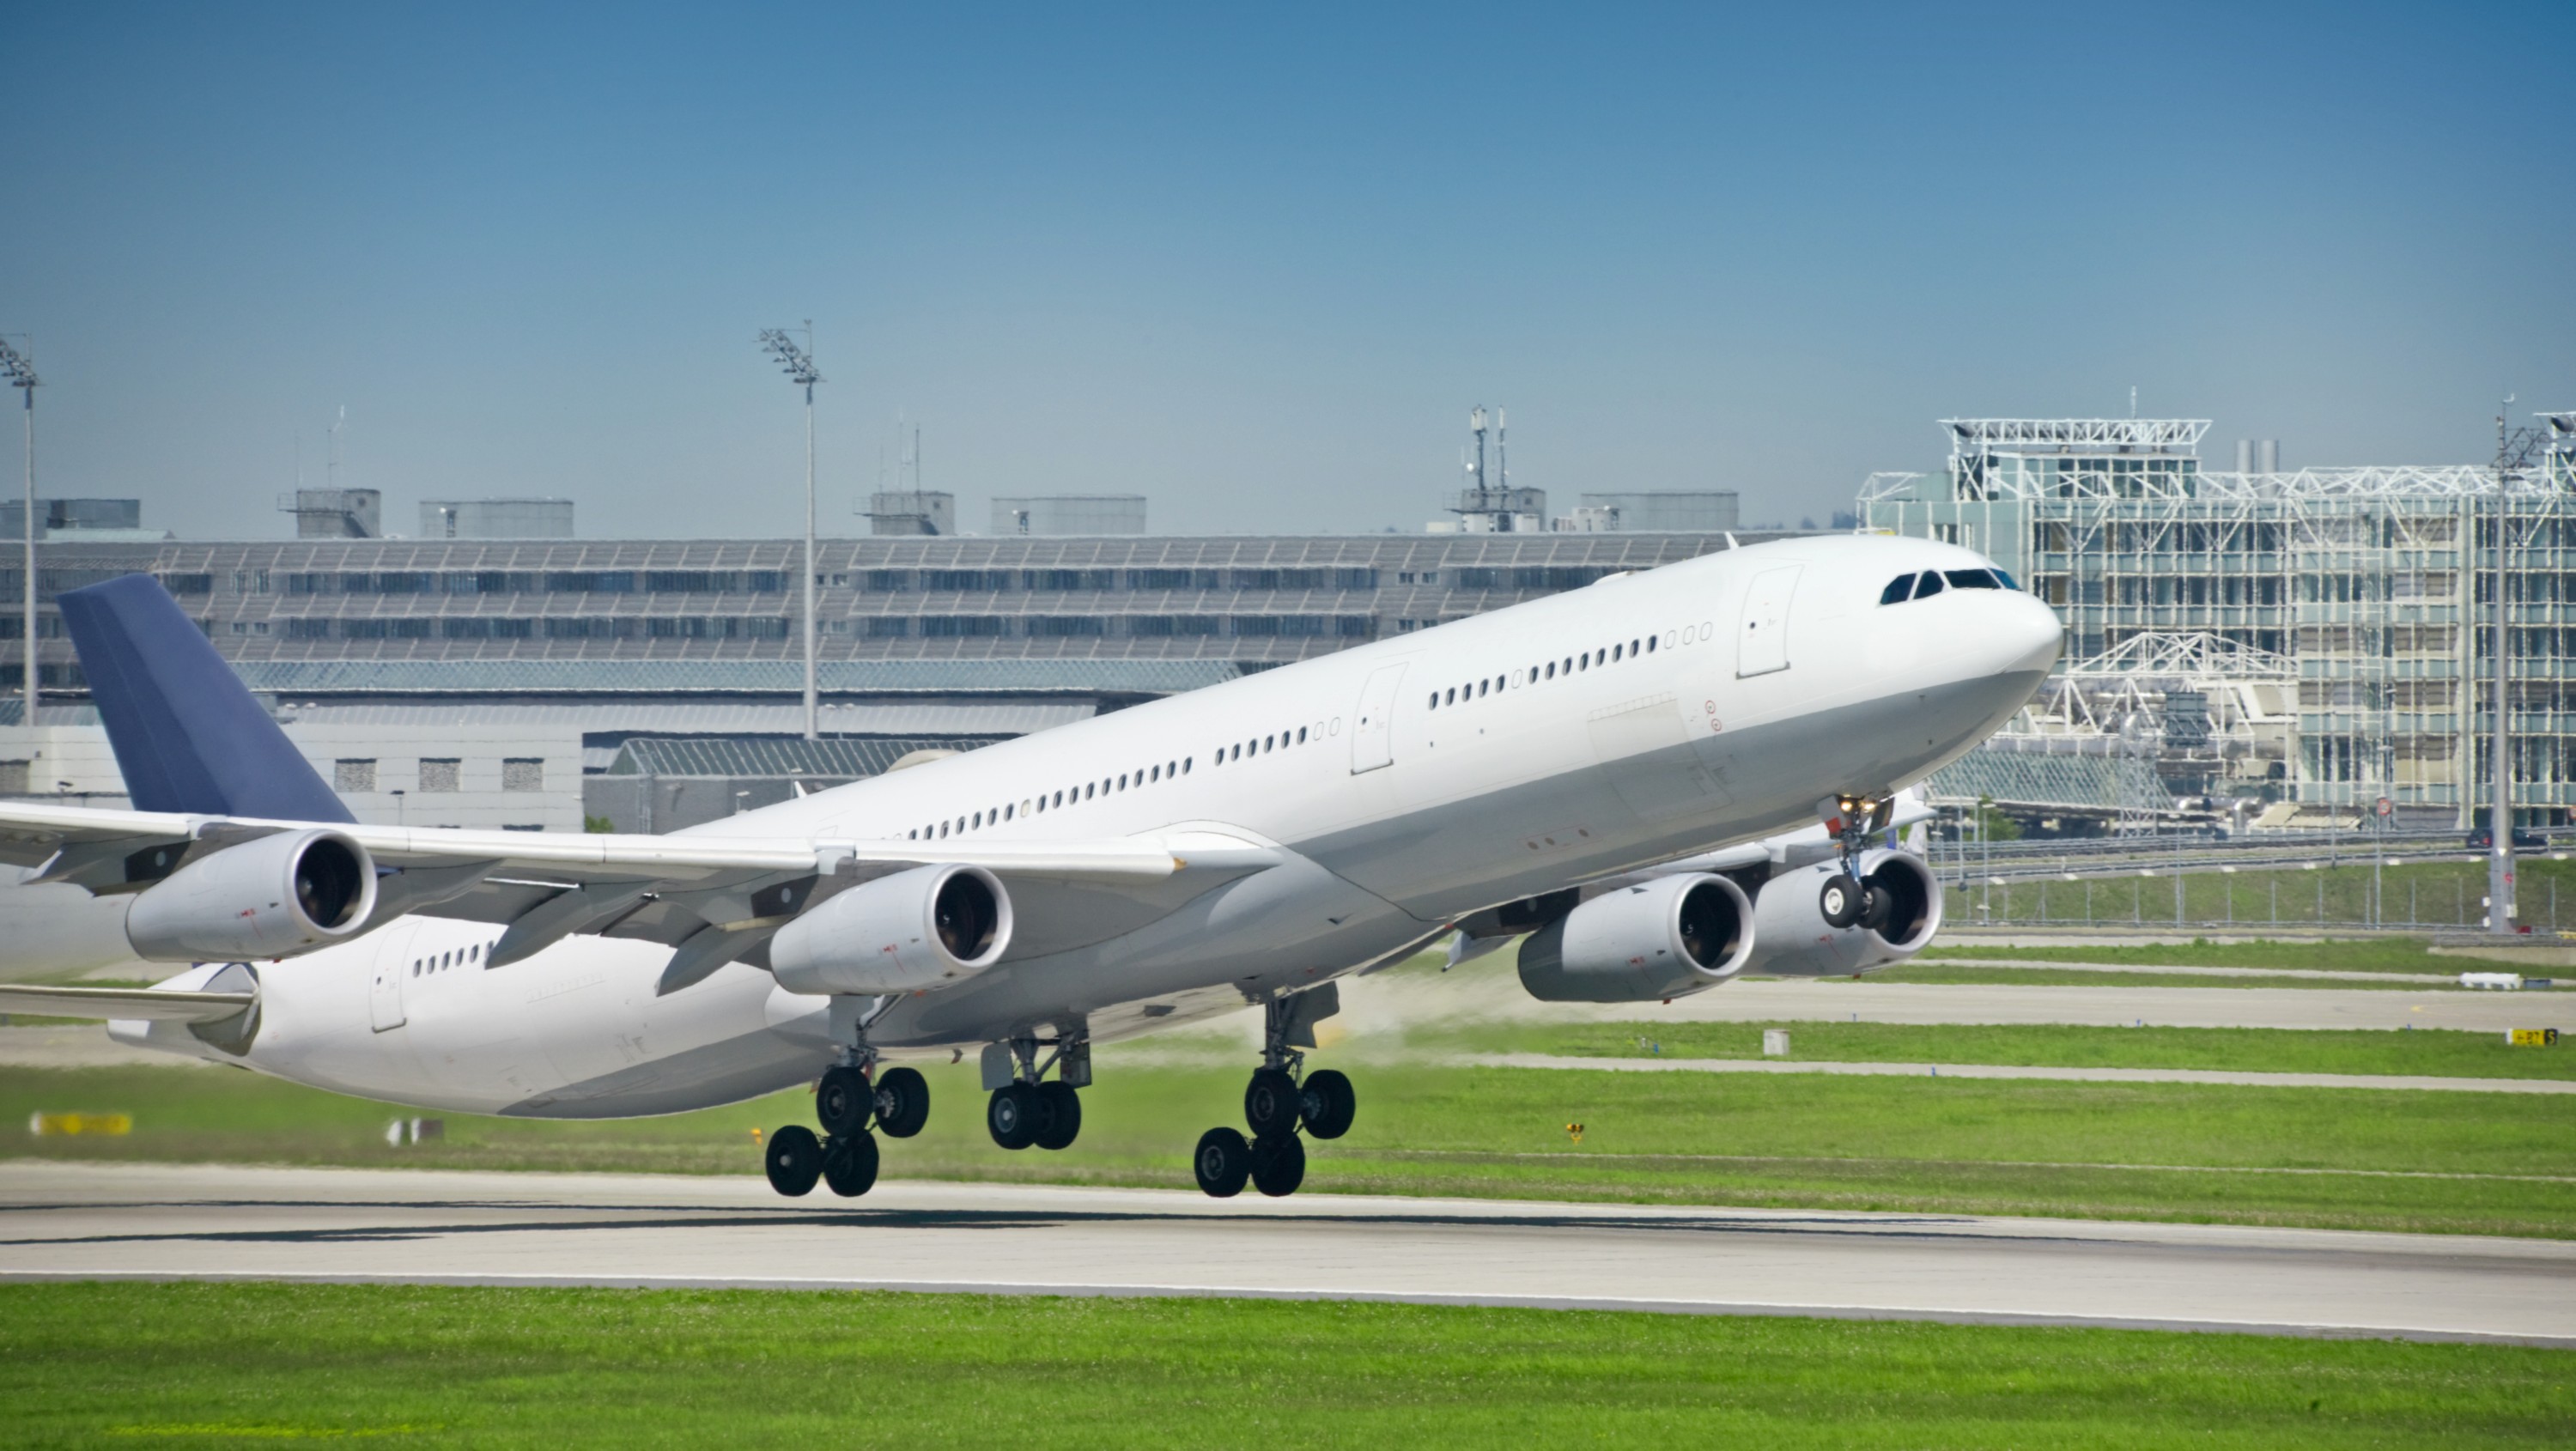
1762, 642
1373, 731
385, 990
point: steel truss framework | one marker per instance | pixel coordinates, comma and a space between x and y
2374, 584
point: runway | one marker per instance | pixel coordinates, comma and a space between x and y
86, 1221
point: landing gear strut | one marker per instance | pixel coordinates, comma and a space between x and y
1027, 1107
1845, 899
851, 1097
1276, 1105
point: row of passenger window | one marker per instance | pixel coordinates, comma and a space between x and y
1053, 801
445, 960
1932, 581
1546, 670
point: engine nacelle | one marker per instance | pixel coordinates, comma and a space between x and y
923, 928
276, 896
1792, 938
1660, 938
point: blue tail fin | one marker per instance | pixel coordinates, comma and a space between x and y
188, 736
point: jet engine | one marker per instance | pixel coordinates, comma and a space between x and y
274, 896
922, 928
1793, 939
1659, 938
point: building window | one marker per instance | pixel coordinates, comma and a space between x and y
353, 775
523, 773
438, 775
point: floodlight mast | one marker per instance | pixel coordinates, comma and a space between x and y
20, 370
798, 362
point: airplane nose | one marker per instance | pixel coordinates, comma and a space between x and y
2028, 636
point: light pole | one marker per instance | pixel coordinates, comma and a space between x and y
799, 364
2500, 810
20, 370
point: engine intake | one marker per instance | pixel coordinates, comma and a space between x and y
1793, 939
1660, 938
277, 896
922, 928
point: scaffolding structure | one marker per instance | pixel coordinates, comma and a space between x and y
2370, 585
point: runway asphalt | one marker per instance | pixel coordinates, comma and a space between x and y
87, 1221
2427, 1082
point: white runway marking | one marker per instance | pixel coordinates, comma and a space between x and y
83, 1221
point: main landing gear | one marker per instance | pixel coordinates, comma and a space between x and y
1846, 900
848, 1101
1027, 1107
1276, 1104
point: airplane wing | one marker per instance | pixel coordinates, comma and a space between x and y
544, 886
208, 769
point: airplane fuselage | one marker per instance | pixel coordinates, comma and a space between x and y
1404, 783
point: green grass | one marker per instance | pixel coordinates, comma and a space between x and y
188, 1365
2122, 1151
2253, 1050
2435, 894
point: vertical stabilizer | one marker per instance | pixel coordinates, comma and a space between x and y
188, 736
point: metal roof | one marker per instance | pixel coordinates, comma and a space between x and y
690, 677
736, 757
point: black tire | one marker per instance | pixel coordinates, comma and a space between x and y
1222, 1162
1839, 900
1279, 1165
794, 1159
1011, 1115
903, 1102
850, 1164
1327, 1104
843, 1102
1060, 1121
1270, 1104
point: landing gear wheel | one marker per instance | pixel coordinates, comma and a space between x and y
1840, 901
1326, 1104
1877, 907
1222, 1162
1060, 1117
1011, 1115
1270, 1105
1279, 1165
903, 1102
794, 1159
850, 1164
844, 1102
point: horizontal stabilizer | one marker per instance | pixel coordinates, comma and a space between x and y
123, 1002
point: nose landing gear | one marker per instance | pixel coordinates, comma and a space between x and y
1845, 899
1276, 1105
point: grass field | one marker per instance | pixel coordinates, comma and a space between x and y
2454, 1162
2256, 1050
183, 1365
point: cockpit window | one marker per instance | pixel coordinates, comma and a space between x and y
2007, 580
1973, 579
1897, 591
1930, 585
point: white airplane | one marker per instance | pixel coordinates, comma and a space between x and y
1596, 770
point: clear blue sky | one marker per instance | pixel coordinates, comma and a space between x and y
1256, 265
